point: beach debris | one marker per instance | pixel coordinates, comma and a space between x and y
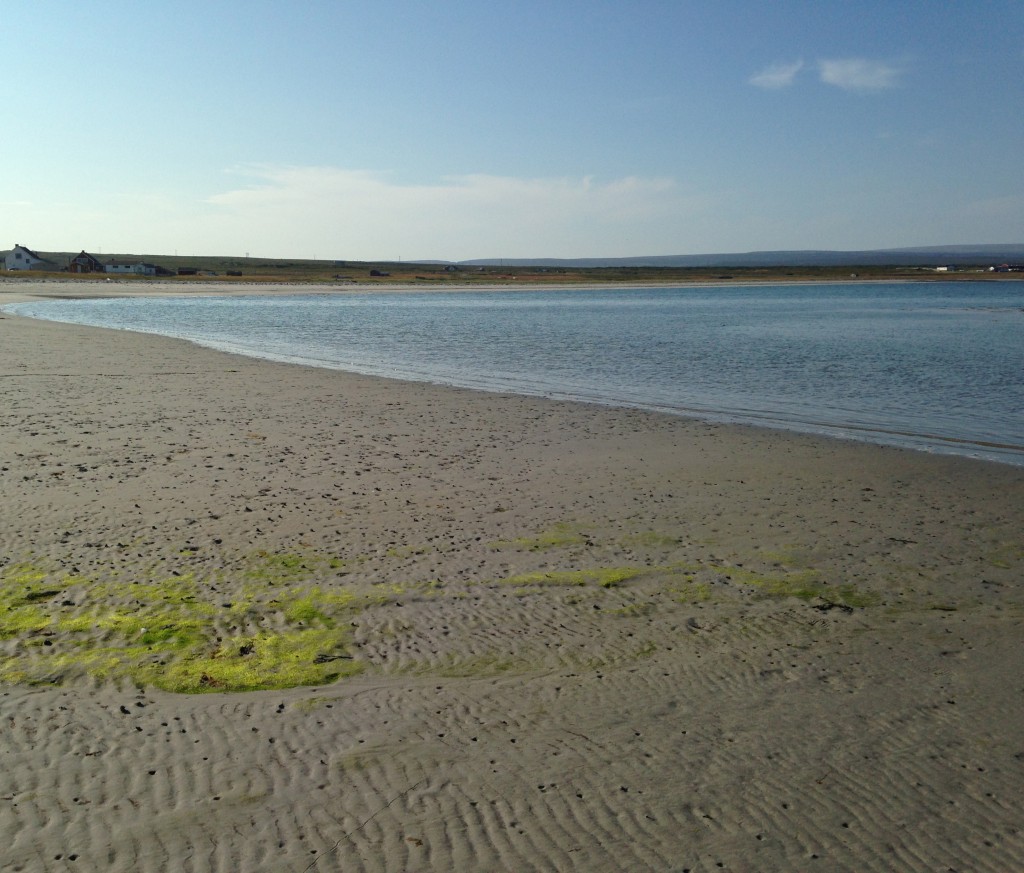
324, 658
827, 605
44, 594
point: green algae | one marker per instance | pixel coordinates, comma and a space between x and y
311, 704
564, 577
1005, 557
23, 619
790, 554
632, 610
23, 597
606, 577
281, 619
274, 567
305, 610
566, 535
686, 589
21, 576
256, 662
645, 650
408, 551
559, 536
803, 585
684, 585
169, 632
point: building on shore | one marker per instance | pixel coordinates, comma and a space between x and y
23, 258
83, 262
135, 268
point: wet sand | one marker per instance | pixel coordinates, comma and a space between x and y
541, 635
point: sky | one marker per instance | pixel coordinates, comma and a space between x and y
395, 129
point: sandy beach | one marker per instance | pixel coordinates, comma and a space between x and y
262, 617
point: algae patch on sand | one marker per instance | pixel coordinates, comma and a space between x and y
606, 577
175, 633
559, 536
803, 585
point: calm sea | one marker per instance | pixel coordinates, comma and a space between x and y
933, 366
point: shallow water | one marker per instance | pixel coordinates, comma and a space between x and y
933, 366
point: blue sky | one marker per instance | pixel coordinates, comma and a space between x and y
457, 130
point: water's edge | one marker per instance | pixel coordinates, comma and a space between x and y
511, 382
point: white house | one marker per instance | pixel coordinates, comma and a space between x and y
137, 268
21, 258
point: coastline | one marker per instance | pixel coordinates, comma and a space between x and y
581, 638
988, 447
22, 290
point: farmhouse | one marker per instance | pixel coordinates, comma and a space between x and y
85, 263
21, 258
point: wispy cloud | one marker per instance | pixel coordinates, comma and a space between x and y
777, 76
858, 74
288, 211
340, 210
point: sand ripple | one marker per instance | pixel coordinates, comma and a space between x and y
486, 633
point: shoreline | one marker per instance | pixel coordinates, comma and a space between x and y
40, 289
987, 451
581, 637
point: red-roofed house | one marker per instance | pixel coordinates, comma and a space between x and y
85, 263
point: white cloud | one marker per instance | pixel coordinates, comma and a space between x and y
777, 76
858, 74
331, 212
361, 215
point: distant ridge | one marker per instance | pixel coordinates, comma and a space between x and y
984, 255
980, 255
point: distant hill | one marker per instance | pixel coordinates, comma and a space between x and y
322, 270
983, 255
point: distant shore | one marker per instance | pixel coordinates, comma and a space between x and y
16, 290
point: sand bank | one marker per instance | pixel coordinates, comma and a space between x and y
541, 635
16, 290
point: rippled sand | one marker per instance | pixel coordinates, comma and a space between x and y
537, 635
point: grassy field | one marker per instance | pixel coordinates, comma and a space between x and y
329, 272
